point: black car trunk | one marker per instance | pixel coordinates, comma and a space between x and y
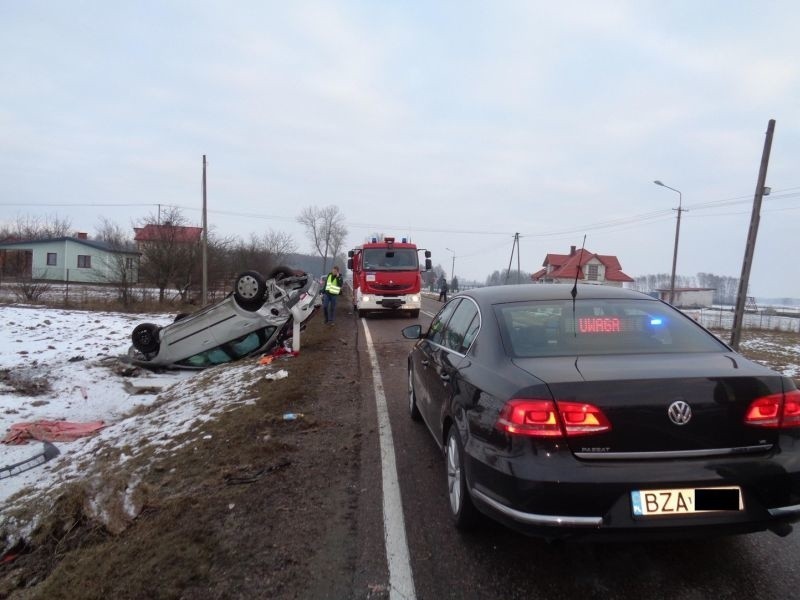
635, 392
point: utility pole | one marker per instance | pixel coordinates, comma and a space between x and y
205, 238
741, 297
514, 245
680, 209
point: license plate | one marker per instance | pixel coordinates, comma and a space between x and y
686, 501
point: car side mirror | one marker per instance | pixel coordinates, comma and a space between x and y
412, 332
428, 264
350, 263
350, 253
427, 253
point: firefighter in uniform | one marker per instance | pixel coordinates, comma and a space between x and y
333, 287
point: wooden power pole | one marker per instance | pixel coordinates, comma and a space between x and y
741, 297
205, 238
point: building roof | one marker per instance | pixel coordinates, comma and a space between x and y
96, 244
160, 233
567, 266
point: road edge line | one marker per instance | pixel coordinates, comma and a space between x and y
401, 580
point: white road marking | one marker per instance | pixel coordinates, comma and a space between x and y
425, 312
401, 581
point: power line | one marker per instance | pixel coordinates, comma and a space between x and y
620, 223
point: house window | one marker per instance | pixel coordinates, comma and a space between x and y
129, 263
52, 259
592, 273
84, 261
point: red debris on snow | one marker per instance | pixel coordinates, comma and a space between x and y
280, 351
50, 431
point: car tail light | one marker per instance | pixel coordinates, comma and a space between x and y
545, 418
775, 410
582, 419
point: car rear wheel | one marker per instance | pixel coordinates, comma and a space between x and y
412, 397
249, 290
279, 273
461, 508
145, 338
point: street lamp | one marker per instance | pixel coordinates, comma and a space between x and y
677, 235
453, 268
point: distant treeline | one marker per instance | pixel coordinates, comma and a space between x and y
725, 287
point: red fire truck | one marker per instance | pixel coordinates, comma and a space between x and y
386, 276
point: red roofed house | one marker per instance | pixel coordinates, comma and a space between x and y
599, 269
167, 233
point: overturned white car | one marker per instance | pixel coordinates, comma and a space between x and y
257, 316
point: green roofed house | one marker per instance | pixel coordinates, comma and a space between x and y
73, 259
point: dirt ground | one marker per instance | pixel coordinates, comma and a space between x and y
264, 509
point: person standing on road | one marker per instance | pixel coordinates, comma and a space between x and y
442, 289
333, 287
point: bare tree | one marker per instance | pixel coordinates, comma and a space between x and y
27, 227
169, 256
121, 266
325, 229
261, 252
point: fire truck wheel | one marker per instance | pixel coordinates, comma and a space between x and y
414, 314
362, 314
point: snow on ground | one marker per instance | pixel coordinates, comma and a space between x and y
777, 347
69, 351
46, 343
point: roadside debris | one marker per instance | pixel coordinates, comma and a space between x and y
282, 374
48, 451
50, 431
292, 416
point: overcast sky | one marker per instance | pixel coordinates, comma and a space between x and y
457, 123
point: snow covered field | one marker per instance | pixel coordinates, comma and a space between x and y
59, 365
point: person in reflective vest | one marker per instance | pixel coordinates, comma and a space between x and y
333, 287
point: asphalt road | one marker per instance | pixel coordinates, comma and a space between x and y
494, 562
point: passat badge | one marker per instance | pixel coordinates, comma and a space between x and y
679, 412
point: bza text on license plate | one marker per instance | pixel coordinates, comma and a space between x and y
685, 501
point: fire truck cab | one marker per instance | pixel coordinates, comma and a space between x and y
386, 276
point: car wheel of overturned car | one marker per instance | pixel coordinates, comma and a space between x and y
461, 507
145, 338
280, 272
412, 398
249, 290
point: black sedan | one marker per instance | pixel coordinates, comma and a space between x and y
607, 413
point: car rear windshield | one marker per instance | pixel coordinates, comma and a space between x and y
610, 326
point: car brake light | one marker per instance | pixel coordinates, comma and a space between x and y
582, 419
775, 410
791, 409
545, 418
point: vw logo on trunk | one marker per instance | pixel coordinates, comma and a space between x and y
679, 412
